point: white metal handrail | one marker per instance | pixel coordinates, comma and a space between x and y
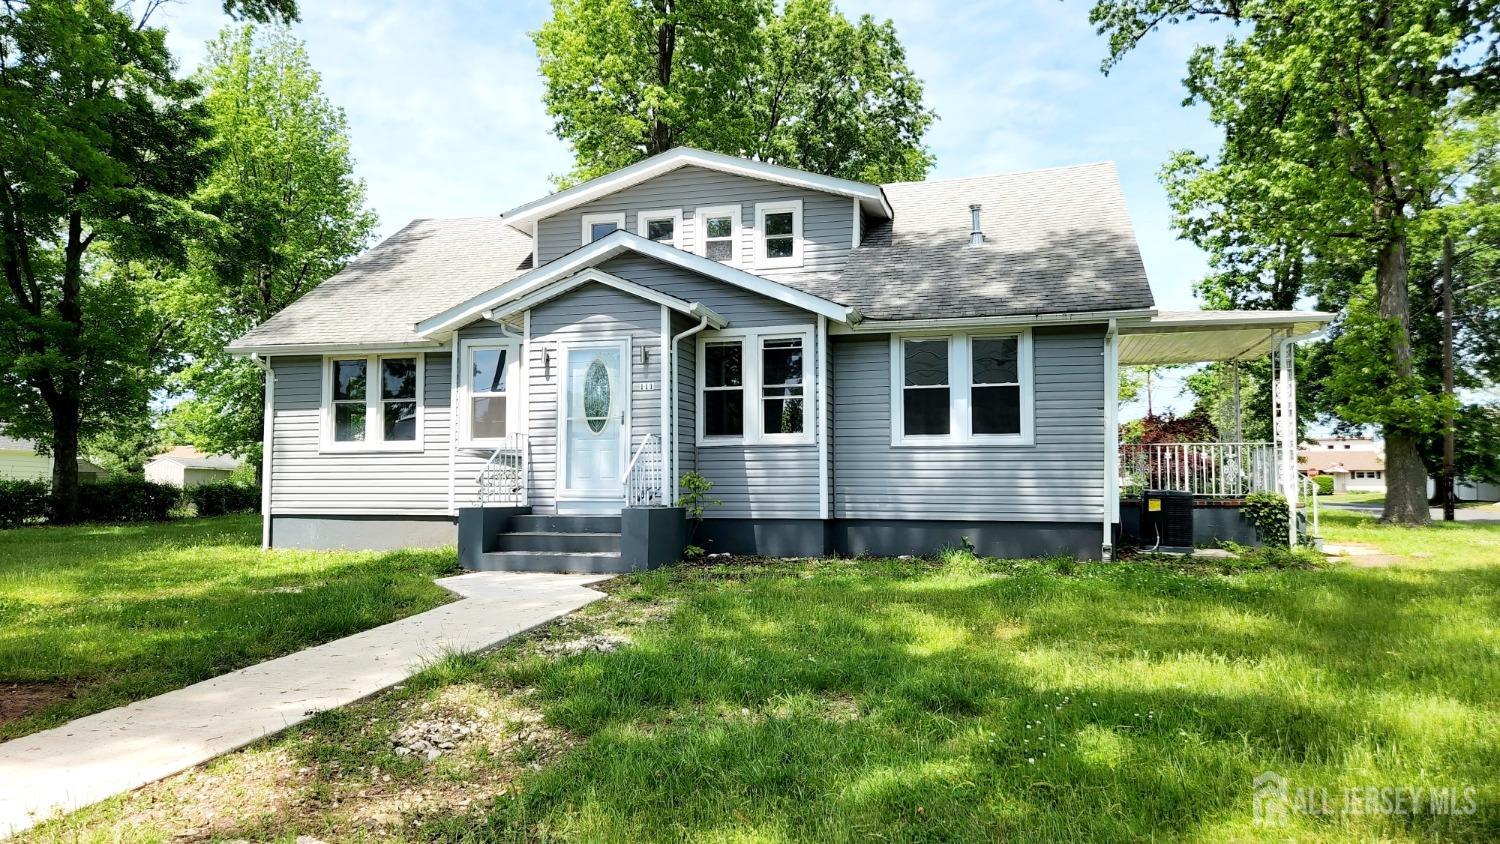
643, 477
1210, 470
502, 481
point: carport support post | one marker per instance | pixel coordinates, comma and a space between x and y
1286, 440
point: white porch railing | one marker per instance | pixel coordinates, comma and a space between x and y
643, 477
1210, 470
502, 481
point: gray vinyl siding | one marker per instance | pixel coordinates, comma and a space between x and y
303, 480
588, 313
687, 396
468, 463
742, 308
827, 220
1060, 478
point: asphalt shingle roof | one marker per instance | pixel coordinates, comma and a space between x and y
1057, 241
380, 296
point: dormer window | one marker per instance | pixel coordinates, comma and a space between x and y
778, 234
661, 226
719, 233
596, 226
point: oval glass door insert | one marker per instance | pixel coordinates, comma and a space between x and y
596, 397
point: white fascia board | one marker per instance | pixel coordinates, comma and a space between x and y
335, 348
596, 275
608, 247
896, 325
521, 217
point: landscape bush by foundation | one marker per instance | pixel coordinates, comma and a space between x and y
223, 498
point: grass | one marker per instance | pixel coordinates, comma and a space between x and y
912, 700
95, 616
1353, 498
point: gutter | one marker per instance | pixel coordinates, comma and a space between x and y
326, 348
1069, 318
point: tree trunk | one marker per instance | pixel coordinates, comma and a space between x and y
1405, 474
1446, 489
666, 46
64, 463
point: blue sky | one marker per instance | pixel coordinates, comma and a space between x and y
445, 104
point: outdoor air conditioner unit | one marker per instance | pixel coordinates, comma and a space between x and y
1167, 520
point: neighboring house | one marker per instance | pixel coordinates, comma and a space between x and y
1356, 464
19, 460
187, 467
857, 368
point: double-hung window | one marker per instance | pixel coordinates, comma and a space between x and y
754, 386
778, 234
663, 226
962, 388
596, 226
372, 402
718, 233
489, 381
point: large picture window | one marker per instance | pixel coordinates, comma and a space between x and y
961, 388
379, 413
489, 377
754, 386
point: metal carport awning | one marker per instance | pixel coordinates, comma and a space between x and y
1173, 337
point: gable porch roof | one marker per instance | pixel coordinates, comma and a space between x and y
605, 248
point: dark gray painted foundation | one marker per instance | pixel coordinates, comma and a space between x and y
362, 533
651, 537
477, 529
890, 537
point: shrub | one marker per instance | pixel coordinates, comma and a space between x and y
1325, 484
126, 499
1268, 512
23, 501
224, 497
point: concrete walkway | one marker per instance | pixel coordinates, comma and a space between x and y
95, 757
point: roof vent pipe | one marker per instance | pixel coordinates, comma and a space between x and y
976, 234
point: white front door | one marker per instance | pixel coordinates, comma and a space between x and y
594, 414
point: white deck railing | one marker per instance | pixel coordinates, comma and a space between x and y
643, 477
1210, 470
502, 481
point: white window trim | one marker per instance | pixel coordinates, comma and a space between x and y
374, 429
751, 382
673, 214
960, 389
700, 229
515, 372
798, 246
588, 220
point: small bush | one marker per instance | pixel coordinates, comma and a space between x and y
1268, 511
126, 499
23, 502
1270, 557
224, 497
1325, 484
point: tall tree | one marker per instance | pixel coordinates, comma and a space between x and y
289, 213
99, 146
1329, 109
801, 85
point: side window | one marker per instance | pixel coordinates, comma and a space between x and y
398, 399
489, 392
718, 233
662, 226
383, 415
781, 385
995, 397
596, 226
925, 390
778, 234
961, 389
349, 379
723, 389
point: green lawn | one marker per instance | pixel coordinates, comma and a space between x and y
913, 701
111, 614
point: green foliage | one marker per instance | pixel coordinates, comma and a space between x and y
126, 499
100, 145
1270, 557
1364, 386
797, 84
290, 214
693, 552
1268, 512
23, 502
223, 498
694, 498
1325, 484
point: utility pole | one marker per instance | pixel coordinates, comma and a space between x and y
1448, 433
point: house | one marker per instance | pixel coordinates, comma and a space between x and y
20, 460
187, 467
857, 368
1356, 464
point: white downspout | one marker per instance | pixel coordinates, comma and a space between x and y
672, 456
825, 497
1111, 438
663, 404
268, 431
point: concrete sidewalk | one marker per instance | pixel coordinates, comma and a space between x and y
95, 757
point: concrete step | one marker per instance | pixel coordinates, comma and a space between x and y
564, 524
570, 562
557, 541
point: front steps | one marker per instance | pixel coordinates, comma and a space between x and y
571, 544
